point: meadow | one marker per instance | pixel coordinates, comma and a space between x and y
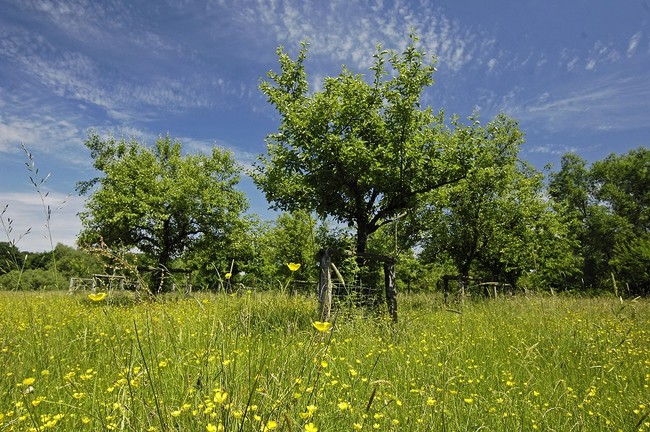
255, 361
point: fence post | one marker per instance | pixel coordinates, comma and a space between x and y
391, 289
325, 286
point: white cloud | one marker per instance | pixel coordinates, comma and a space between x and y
611, 102
13, 134
95, 76
242, 157
348, 32
633, 44
602, 53
551, 149
41, 131
28, 214
572, 64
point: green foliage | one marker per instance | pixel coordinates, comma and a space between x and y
259, 252
622, 183
32, 279
49, 270
607, 209
631, 263
165, 204
497, 223
293, 239
76, 262
360, 152
10, 257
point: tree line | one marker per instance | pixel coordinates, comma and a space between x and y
359, 163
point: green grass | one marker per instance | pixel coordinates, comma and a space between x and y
253, 361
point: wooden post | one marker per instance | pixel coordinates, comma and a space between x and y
461, 290
391, 290
445, 287
325, 286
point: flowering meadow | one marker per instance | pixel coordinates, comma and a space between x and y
261, 361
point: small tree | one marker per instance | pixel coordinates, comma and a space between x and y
497, 221
158, 200
360, 152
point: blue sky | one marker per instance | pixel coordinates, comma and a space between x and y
575, 74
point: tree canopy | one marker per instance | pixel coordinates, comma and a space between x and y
363, 151
157, 199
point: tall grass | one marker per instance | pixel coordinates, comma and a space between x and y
254, 362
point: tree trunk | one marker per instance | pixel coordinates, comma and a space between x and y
160, 279
362, 238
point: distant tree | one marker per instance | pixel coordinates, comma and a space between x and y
571, 185
40, 272
362, 152
621, 187
158, 200
10, 257
236, 253
607, 207
293, 239
462, 220
258, 253
73, 262
532, 245
571, 188
497, 222
623, 183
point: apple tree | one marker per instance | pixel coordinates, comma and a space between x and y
158, 200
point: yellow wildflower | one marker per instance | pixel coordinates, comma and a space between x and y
343, 406
293, 266
270, 425
220, 397
322, 326
96, 297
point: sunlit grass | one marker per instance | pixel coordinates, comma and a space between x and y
256, 361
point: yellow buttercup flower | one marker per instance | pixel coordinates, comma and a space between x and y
228, 275
322, 326
220, 397
293, 266
29, 381
96, 297
343, 406
311, 428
